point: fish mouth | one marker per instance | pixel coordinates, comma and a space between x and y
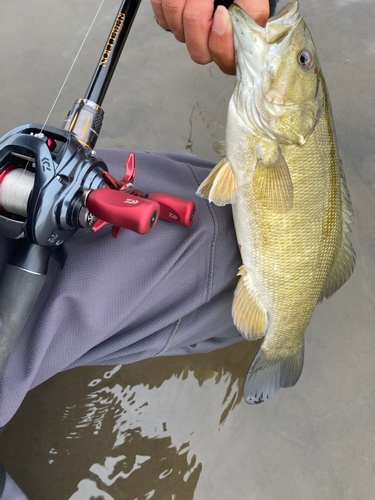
278, 27
257, 50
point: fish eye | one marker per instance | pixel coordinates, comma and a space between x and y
305, 59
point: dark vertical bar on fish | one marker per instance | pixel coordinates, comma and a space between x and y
112, 51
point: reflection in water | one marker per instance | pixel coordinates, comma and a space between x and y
145, 430
144, 463
89, 490
162, 474
149, 451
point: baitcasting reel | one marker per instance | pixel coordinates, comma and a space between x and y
51, 185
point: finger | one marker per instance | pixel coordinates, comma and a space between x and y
159, 14
259, 10
197, 20
173, 13
220, 41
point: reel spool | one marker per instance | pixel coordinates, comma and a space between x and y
16, 185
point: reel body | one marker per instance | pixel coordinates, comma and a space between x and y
62, 168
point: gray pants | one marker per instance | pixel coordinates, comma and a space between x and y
120, 301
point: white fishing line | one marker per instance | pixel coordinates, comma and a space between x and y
75, 59
15, 191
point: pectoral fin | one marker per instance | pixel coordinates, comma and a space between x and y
220, 186
248, 313
273, 184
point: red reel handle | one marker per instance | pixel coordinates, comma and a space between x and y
123, 209
174, 209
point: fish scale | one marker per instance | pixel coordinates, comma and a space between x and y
295, 242
291, 207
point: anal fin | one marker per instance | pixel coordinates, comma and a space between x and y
220, 185
249, 315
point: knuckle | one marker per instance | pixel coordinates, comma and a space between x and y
171, 8
157, 6
192, 19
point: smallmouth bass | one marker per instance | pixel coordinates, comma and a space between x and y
291, 207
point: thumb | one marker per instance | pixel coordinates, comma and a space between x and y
259, 10
220, 42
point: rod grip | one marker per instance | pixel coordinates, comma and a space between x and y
19, 290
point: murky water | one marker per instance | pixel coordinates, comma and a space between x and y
177, 428
137, 431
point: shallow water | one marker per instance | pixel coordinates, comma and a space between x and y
177, 428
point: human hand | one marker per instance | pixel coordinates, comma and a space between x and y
207, 39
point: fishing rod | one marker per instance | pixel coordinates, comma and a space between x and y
52, 184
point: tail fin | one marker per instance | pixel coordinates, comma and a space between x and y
266, 376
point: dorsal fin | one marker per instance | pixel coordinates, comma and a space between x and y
344, 263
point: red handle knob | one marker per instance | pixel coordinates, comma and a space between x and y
174, 209
123, 209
